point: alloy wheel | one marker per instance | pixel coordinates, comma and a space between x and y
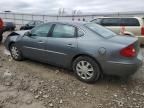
85, 70
14, 52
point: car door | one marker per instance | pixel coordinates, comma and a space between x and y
34, 46
61, 45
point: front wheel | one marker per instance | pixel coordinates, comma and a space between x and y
15, 53
86, 69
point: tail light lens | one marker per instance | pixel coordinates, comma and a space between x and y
142, 31
129, 51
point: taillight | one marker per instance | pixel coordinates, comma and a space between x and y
142, 31
128, 51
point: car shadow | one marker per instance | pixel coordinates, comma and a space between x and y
107, 79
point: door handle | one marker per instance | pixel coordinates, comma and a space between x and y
70, 45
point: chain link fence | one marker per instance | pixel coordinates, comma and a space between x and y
21, 19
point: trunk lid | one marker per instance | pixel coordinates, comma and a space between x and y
126, 41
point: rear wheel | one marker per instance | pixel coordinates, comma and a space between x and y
15, 52
86, 69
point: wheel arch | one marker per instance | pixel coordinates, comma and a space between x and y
9, 45
80, 55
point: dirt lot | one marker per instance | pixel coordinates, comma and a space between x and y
29, 84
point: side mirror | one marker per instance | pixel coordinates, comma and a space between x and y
28, 34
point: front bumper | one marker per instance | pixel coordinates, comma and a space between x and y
123, 68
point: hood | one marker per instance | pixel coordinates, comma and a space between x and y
21, 33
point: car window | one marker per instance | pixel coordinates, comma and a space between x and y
80, 33
110, 22
100, 30
63, 31
129, 22
41, 31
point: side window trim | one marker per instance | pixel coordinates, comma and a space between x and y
77, 29
51, 30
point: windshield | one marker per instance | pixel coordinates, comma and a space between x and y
102, 31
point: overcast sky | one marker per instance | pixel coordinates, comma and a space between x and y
86, 6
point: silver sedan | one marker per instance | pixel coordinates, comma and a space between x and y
90, 50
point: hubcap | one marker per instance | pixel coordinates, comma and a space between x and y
84, 69
14, 52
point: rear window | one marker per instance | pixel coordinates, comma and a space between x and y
129, 22
111, 22
100, 30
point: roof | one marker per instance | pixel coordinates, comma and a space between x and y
70, 22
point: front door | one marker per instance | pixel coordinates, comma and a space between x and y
34, 46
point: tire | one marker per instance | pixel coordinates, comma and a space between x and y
1, 38
15, 53
81, 65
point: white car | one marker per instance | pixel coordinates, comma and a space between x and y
124, 25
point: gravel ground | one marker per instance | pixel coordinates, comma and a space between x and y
30, 84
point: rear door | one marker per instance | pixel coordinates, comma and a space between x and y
112, 24
62, 44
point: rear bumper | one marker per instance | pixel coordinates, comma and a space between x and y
123, 68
